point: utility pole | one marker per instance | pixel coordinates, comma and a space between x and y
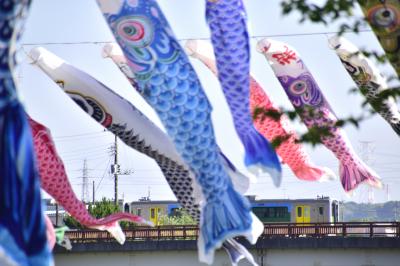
56, 214
284, 193
93, 194
85, 183
115, 169
387, 192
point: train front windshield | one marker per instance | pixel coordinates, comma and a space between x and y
335, 211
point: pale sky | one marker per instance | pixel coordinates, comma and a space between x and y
76, 25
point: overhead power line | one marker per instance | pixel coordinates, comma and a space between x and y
104, 174
198, 38
80, 135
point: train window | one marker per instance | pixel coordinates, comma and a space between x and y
139, 211
152, 213
272, 214
177, 212
335, 211
259, 212
299, 214
281, 212
321, 210
306, 211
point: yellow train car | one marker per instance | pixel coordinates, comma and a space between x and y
301, 211
153, 210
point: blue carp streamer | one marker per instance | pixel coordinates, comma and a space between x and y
227, 22
22, 229
169, 84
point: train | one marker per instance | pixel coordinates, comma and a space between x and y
319, 210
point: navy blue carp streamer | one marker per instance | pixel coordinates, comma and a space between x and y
23, 239
227, 22
170, 85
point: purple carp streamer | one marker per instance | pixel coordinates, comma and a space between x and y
314, 109
169, 84
227, 22
368, 79
384, 18
23, 239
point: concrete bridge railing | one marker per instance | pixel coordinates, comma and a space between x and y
191, 232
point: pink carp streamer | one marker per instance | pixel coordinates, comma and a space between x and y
315, 111
292, 153
55, 182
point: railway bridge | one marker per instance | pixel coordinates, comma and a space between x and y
314, 244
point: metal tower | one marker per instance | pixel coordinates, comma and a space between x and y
366, 150
85, 182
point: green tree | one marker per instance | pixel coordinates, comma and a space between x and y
72, 223
100, 209
103, 208
180, 218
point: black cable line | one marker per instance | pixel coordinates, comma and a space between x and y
104, 174
79, 135
199, 38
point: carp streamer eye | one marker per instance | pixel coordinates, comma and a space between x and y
349, 67
137, 31
79, 100
298, 87
97, 113
384, 17
133, 31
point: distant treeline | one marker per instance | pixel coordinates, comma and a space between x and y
365, 212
